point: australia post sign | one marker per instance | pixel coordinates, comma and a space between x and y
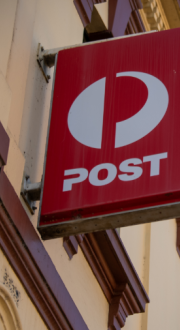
113, 154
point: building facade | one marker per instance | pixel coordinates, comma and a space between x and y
102, 280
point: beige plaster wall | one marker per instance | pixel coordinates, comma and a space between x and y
53, 27
5, 100
15, 166
7, 19
18, 63
137, 243
164, 285
152, 249
21, 307
82, 285
9, 13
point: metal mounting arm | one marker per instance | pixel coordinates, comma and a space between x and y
31, 192
46, 59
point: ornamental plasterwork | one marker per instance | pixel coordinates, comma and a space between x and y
8, 282
153, 15
9, 316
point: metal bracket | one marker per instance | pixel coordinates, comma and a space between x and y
46, 59
31, 192
42, 63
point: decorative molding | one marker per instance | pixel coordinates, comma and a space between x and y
4, 145
163, 15
9, 310
155, 15
144, 20
96, 30
121, 307
70, 244
112, 267
32, 264
118, 16
8, 282
116, 275
123, 18
178, 236
171, 12
135, 23
85, 9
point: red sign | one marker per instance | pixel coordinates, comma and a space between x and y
113, 154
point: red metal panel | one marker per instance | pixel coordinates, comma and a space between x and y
115, 118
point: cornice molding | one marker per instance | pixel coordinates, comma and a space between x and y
163, 15
144, 20
111, 265
123, 13
32, 264
135, 23
114, 271
71, 245
155, 15
171, 12
85, 9
123, 17
121, 307
136, 4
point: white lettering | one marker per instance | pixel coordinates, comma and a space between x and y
127, 166
83, 174
93, 175
136, 170
155, 162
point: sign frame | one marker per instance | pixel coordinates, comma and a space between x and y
105, 221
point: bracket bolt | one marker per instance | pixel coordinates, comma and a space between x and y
42, 49
48, 76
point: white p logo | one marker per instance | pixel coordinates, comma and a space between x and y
85, 118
